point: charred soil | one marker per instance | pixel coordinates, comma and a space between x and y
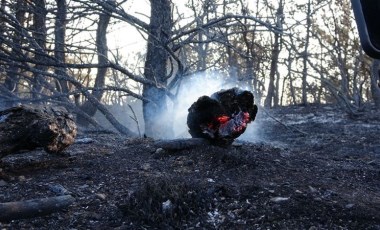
313, 168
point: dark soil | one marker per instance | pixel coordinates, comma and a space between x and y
315, 168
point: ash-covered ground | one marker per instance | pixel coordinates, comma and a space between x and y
311, 168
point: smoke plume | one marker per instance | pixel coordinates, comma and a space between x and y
190, 90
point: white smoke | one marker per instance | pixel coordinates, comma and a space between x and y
190, 90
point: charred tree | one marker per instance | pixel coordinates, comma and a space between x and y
59, 43
28, 127
305, 54
12, 78
274, 59
155, 68
39, 34
102, 51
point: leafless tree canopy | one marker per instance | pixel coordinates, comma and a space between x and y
285, 51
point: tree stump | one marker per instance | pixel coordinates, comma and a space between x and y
27, 127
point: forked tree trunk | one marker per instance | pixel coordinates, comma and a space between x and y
28, 127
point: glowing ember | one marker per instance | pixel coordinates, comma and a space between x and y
235, 126
222, 117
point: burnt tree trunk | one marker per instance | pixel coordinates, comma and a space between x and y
102, 51
28, 127
155, 67
59, 43
12, 78
39, 34
274, 59
305, 54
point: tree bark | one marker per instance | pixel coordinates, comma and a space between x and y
155, 68
28, 127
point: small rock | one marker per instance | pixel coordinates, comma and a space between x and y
83, 186
85, 140
101, 196
146, 166
279, 199
348, 206
159, 151
167, 206
59, 189
21, 178
237, 144
312, 190
3, 183
210, 180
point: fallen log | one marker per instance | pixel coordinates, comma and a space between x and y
33, 208
179, 144
27, 127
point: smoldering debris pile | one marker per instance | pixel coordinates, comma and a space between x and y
223, 116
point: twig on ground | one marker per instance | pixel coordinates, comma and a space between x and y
135, 119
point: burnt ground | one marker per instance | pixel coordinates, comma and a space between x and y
320, 171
